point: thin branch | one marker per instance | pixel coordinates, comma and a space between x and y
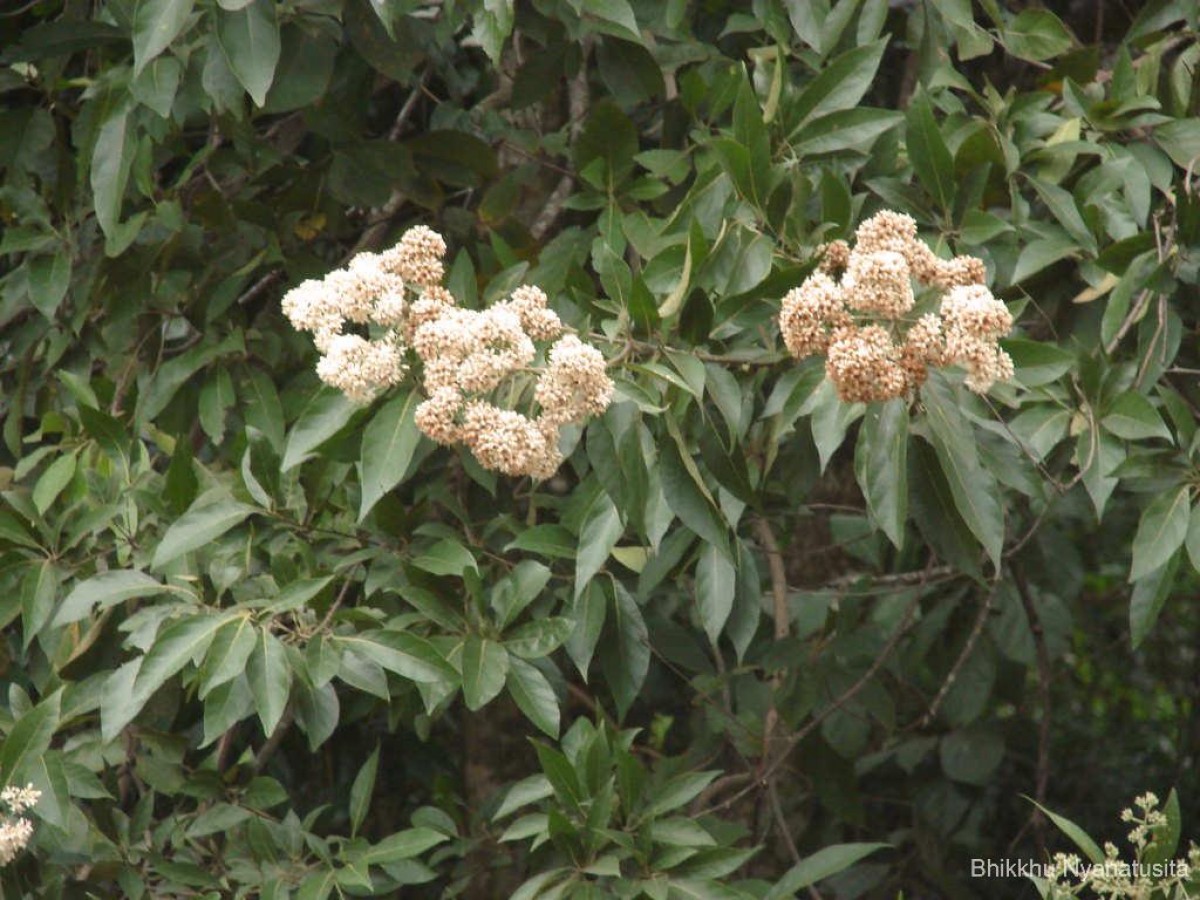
967, 650
577, 109
372, 237
838, 702
281, 729
779, 588
260, 287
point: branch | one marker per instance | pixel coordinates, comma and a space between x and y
281, 729
577, 107
372, 237
779, 587
968, 648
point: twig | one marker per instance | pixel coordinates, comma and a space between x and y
260, 287
766, 537
838, 702
1042, 778
577, 108
967, 650
371, 238
268, 749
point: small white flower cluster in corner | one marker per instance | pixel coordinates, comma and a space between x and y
467, 356
15, 829
1136, 880
860, 323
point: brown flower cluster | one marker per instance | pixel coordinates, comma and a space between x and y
467, 356
855, 310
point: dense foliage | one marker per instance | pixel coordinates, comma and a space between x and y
261, 641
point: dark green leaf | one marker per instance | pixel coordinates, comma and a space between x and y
928, 151
1161, 531
249, 38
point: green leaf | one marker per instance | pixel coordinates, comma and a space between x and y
261, 408
112, 158
848, 129
389, 442
589, 611
484, 669
971, 755
840, 86
407, 655
1036, 35
688, 496
249, 39
270, 677
676, 792
522, 793
1041, 254
1161, 531
118, 703
1063, 207
552, 541
204, 522
227, 655
626, 655
600, 532
533, 695
39, 588
216, 397
615, 17
928, 152
447, 557
30, 736
974, 489
361, 791
825, 862
492, 24
48, 774
1166, 836
538, 638
326, 414
155, 24
1192, 541
52, 482
49, 278
1181, 141
1149, 595
1037, 362
716, 581
158, 84
107, 589
1077, 835
176, 646
402, 845
1132, 417
881, 466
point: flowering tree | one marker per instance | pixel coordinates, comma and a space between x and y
588, 448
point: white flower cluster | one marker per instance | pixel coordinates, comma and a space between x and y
466, 355
854, 311
1136, 880
15, 829
372, 291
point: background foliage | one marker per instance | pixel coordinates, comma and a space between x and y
260, 642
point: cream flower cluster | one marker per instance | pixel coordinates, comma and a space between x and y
15, 829
854, 310
1116, 878
467, 355
372, 291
